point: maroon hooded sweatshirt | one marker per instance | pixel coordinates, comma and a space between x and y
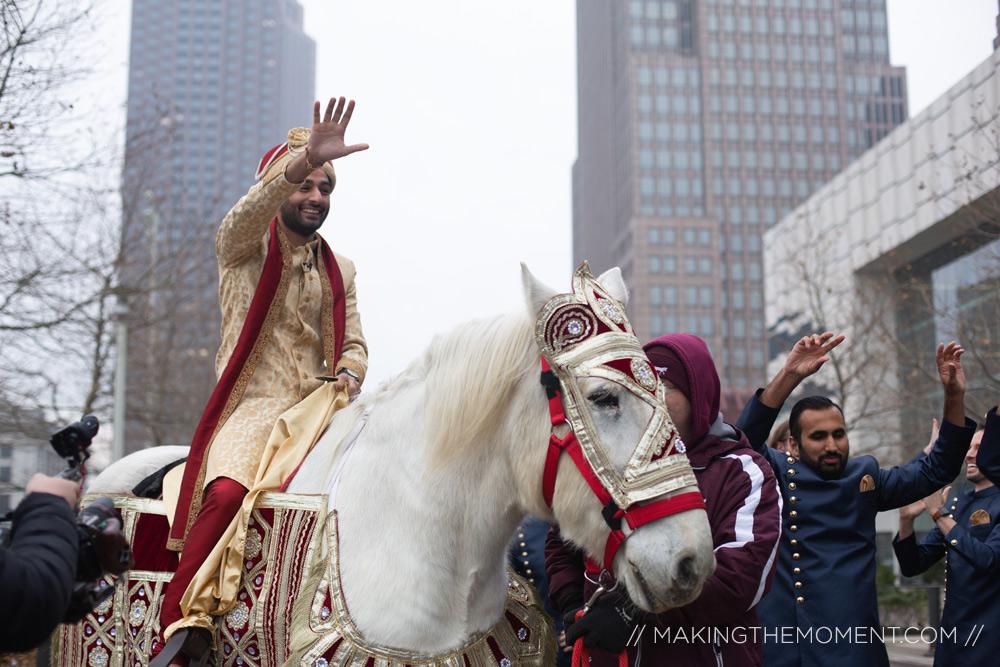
744, 511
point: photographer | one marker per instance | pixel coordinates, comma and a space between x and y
38, 569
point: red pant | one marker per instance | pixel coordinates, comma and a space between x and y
223, 499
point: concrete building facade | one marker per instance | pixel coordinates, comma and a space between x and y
901, 251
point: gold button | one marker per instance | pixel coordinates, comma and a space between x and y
792, 486
523, 545
797, 571
791, 472
793, 514
793, 500
798, 584
791, 460
954, 543
952, 508
524, 553
793, 528
528, 571
799, 600
795, 556
795, 543
521, 535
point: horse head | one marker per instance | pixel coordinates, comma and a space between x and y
616, 477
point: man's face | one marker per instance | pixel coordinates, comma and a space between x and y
305, 211
823, 446
972, 472
679, 409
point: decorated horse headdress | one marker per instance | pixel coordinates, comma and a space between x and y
586, 334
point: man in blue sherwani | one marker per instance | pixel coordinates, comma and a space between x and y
966, 532
822, 608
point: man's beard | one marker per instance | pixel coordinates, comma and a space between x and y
824, 470
291, 216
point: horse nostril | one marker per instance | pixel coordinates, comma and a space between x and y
687, 573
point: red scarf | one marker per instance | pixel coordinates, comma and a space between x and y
268, 300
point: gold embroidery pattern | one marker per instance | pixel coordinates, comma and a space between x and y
867, 484
523, 636
980, 518
256, 632
118, 632
326, 316
586, 334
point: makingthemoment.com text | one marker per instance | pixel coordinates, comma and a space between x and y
796, 635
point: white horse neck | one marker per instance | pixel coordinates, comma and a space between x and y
425, 519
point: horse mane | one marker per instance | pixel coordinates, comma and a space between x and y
470, 375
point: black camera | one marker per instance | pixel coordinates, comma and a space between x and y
101, 545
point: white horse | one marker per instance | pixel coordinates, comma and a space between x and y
449, 462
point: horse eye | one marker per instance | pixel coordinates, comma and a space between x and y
604, 398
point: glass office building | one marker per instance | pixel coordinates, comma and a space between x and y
701, 124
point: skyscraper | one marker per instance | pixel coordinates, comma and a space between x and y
212, 85
703, 122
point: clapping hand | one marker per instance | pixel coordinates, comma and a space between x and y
936, 499
911, 511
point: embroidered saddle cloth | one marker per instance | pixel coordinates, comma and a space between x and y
285, 535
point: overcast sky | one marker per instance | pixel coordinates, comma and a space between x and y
470, 110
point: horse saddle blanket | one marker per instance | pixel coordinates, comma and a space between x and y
284, 545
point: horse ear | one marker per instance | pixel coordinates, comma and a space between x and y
612, 281
536, 293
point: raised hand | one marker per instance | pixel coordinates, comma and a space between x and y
949, 365
326, 142
810, 353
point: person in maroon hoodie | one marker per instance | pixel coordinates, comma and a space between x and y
744, 511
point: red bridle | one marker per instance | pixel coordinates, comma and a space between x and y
636, 515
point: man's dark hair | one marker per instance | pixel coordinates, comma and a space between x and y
808, 403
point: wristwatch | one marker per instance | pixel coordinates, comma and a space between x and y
349, 372
939, 513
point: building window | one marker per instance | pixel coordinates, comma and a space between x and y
646, 158
663, 187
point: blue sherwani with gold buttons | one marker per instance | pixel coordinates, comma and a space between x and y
822, 608
971, 615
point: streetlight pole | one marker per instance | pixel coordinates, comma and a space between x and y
121, 357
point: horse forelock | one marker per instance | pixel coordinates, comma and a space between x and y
472, 375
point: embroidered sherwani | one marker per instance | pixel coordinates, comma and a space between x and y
294, 354
288, 315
